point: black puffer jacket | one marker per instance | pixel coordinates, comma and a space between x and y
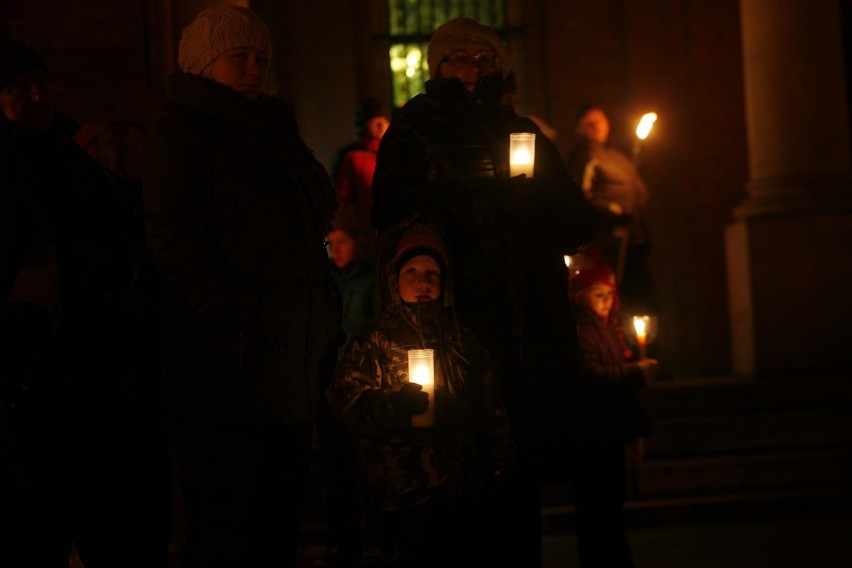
236, 211
445, 155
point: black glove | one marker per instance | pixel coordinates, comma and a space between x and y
521, 185
408, 400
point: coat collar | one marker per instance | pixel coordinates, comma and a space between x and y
489, 91
197, 95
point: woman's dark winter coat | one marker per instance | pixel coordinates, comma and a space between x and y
446, 155
237, 208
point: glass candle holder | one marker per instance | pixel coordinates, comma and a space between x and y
421, 370
521, 154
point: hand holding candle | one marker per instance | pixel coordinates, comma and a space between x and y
521, 154
421, 370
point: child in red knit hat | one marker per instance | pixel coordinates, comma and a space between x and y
611, 421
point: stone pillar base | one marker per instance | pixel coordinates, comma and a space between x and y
790, 293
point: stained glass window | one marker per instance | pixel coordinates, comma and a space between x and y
410, 25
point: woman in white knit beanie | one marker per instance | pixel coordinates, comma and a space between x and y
236, 212
230, 45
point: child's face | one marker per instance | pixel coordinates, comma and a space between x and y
599, 299
343, 249
420, 279
377, 126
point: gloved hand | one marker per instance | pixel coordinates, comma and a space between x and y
408, 400
521, 184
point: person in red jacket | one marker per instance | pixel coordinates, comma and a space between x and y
353, 165
611, 423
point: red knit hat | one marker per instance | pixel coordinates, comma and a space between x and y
588, 268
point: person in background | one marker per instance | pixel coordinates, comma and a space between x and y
433, 486
119, 149
446, 155
611, 182
510, 92
612, 423
83, 457
237, 209
353, 165
353, 258
116, 146
352, 246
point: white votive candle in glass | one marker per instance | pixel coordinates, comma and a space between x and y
521, 154
421, 370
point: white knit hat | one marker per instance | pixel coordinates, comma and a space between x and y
217, 30
460, 33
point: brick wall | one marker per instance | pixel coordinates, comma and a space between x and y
681, 59
99, 53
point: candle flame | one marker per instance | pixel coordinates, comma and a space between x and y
645, 125
641, 325
420, 375
567, 260
521, 156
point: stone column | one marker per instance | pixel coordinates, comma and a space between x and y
789, 249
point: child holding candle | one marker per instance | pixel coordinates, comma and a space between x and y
430, 485
611, 422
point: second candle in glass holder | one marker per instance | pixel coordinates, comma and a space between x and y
521, 154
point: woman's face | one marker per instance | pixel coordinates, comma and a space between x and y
469, 65
243, 69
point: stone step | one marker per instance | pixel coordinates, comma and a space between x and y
731, 395
559, 519
729, 474
765, 470
723, 486
747, 431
